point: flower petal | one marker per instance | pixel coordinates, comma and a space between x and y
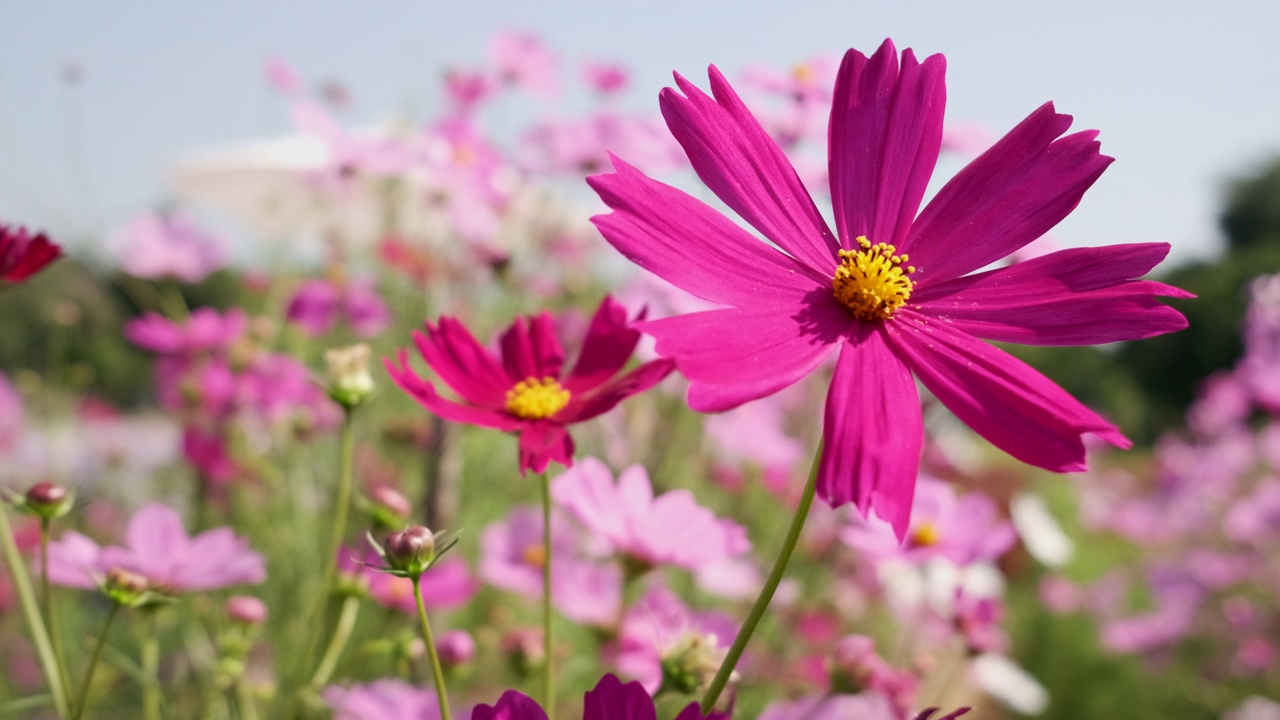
511, 706
425, 393
746, 169
734, 355
886, 132
1081, 296
464, 364
1007, 197
872, 432
606, 349
542, 442
694, 247
604, 398
613, 700
1005, 401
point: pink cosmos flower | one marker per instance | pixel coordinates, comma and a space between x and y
447, 585
512, 558
524, 61
672, 529
891, 291
525, 390
610, 700
381, 700
281, 76
23, 254
863, 706
158, 548
605, 78
317, 306
964, 529
206, 330
659, 626
169, 245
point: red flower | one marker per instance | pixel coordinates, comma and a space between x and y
23, 255
525, 390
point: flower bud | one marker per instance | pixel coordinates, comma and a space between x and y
523, 648
349, 380
126, 587
390, 508
410, 550
48, 500
455, 647
246, 610
691, 664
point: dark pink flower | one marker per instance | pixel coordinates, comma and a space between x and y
604, 77
894, 293
158, 548
318, 305
23, 254
610, 700
206, 330
525, 390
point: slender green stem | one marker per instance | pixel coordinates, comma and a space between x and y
93, 660
31, 611
151, 668
46, 598
436, 671
548, 617
766, 593
337, 643
245, 700
338, 531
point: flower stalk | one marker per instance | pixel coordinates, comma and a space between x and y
766, 593
548, 617
337, 643
93, 660
31, 611
437, 672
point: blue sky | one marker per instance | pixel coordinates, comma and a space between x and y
1185, 95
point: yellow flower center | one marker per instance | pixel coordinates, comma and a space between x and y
802, 73
872, 281
534, 556
925, 536
534, 399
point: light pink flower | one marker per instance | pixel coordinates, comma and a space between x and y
158, 548
207, 330
671, 529
385, 699
522, 60
169, 245
281, 76
659, 624
446, 585
604, 77
964, 530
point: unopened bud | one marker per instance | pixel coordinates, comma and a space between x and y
349, 380
126, 587
410, 550
390, 508
690, 665
523, 648
455, 648
48, 500
246, 610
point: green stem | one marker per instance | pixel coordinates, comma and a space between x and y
93, 660
337, 643
151, 668
548, 617
31, 611
245, 700
766, 593
342, 503
437, 673
46, 597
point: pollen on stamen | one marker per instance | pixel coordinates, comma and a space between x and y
534, 399
872, 281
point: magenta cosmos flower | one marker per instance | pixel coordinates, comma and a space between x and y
23, 254
611, 699
890, 289
525, 391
